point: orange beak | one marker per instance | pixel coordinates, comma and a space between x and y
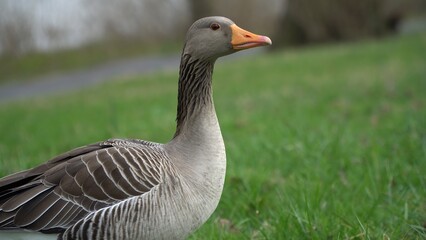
242, 39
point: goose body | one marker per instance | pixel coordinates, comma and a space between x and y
135, 189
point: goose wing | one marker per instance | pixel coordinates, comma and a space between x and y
55, 195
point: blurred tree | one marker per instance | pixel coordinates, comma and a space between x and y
15, 33
60, 24
200, 8
261, 16
334, 20
142, 20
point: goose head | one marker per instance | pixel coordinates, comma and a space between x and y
212, 37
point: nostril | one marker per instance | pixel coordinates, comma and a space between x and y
247, 36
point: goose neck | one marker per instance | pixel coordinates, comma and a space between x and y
195, 101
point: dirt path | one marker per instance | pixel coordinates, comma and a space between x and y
71, 81
63, 82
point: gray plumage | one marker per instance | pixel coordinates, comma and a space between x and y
135, 189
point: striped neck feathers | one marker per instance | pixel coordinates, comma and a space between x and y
194, 92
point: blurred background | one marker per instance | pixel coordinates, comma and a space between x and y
101, 30
54, 25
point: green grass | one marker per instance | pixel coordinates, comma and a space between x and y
322, 143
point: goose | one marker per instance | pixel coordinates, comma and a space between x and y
136, 189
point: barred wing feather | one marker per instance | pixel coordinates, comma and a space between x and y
74, 184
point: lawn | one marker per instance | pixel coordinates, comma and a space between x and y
325, 142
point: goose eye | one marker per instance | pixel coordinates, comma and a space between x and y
214, 26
